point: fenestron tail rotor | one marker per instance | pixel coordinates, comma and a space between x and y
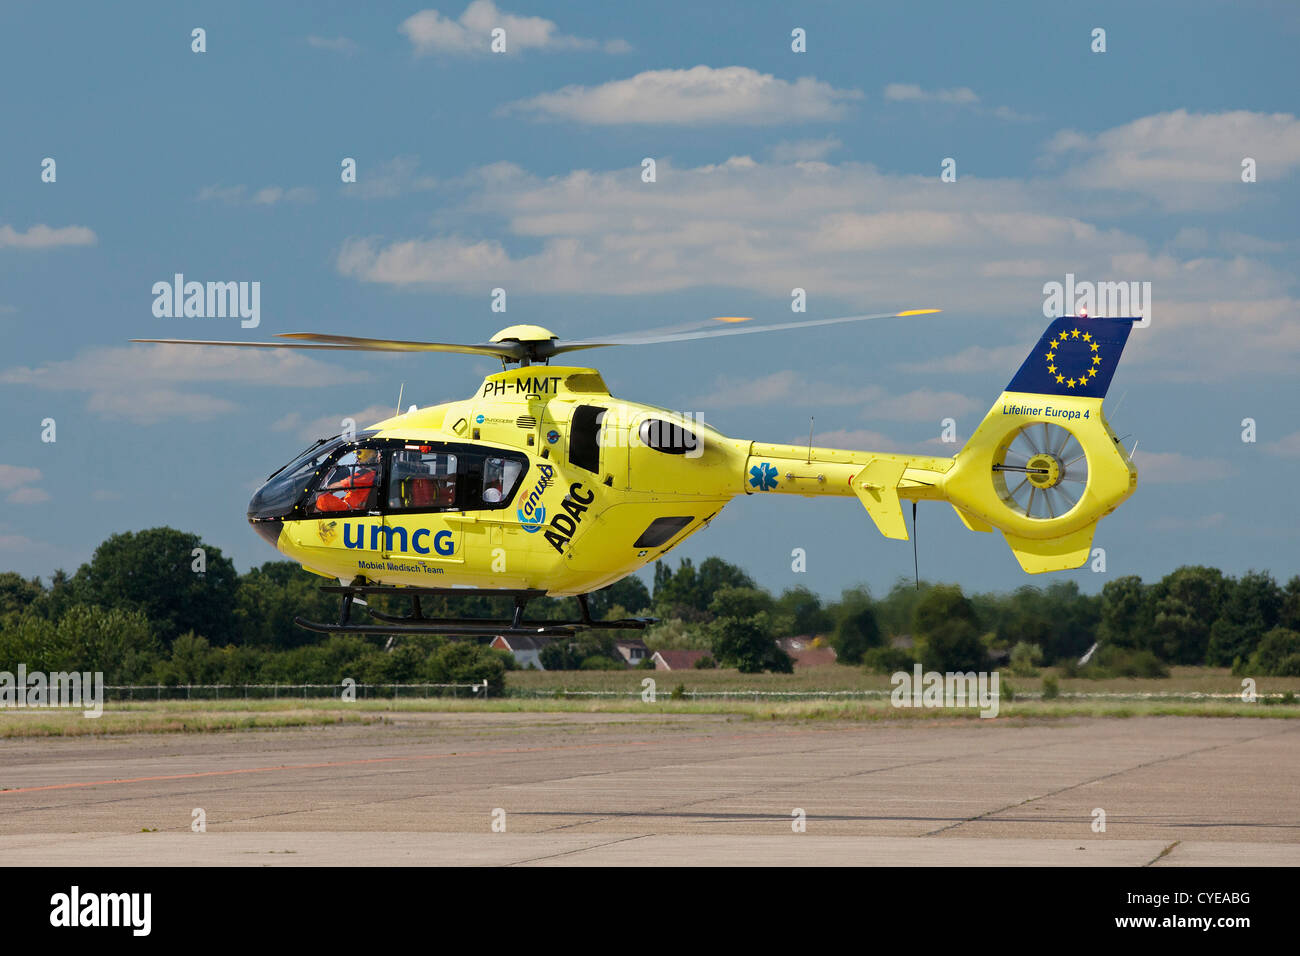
530, 343
1041, 471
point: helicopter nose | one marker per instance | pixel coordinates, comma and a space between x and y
268, 528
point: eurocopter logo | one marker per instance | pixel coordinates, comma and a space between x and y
532, 513
213, 300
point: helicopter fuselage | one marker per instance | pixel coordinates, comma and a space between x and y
542, 480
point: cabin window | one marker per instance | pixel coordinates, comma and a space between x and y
584, 437
667, 437
500, 475
422, 480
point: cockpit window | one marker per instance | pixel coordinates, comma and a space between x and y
351, 484
285, 488
421, 480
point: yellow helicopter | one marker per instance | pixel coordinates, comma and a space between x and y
542, 483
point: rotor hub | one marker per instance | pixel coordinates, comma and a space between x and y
1044, 470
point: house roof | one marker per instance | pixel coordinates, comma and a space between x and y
801, 649
521, 642
680, 660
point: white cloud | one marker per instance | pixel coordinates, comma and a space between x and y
976, 358
733, 95
790, 388
956, 96
41, 236
18, 482
1192, 523
431, 32
324, 426
11, 475
140, 383
333, 44
910, 92
851, 439
803, 150
1287, 446
266, 196
1178, 157
1172, 467
1221, 307
389, 179
28, 496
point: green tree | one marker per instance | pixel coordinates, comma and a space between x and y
805, 611
896, 611
152, 571
267, 599
630, 593
856, 628
1185, 604
17, 594
1126, 614
748, 644
947, 631
1251, 608
1277, 655
85, 638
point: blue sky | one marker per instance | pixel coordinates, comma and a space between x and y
775, 169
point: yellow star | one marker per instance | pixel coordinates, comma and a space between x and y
1091, 372
1096, 360
1093, 346
1070, 383
1087, 336
1051, 355
1060, 378
1051, 369
1074, 333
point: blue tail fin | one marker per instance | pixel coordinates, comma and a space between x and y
1075, 356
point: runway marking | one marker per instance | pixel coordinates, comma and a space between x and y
378, 760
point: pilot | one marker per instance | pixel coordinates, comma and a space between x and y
351, 492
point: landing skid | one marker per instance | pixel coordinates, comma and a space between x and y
417, 623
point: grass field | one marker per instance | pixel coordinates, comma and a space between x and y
1191, 692
1182, 681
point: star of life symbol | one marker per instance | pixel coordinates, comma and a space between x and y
763, 476
1087, 373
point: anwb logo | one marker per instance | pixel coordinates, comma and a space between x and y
533, 523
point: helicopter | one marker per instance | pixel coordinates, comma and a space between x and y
543, 483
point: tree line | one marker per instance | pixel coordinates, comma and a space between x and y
145, 610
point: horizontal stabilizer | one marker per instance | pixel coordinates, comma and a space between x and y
877, 486
1053, 554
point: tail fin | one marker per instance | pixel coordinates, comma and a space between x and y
1044, 466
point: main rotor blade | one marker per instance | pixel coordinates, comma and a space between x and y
246, 345
345, 343
651, 338
494, 349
